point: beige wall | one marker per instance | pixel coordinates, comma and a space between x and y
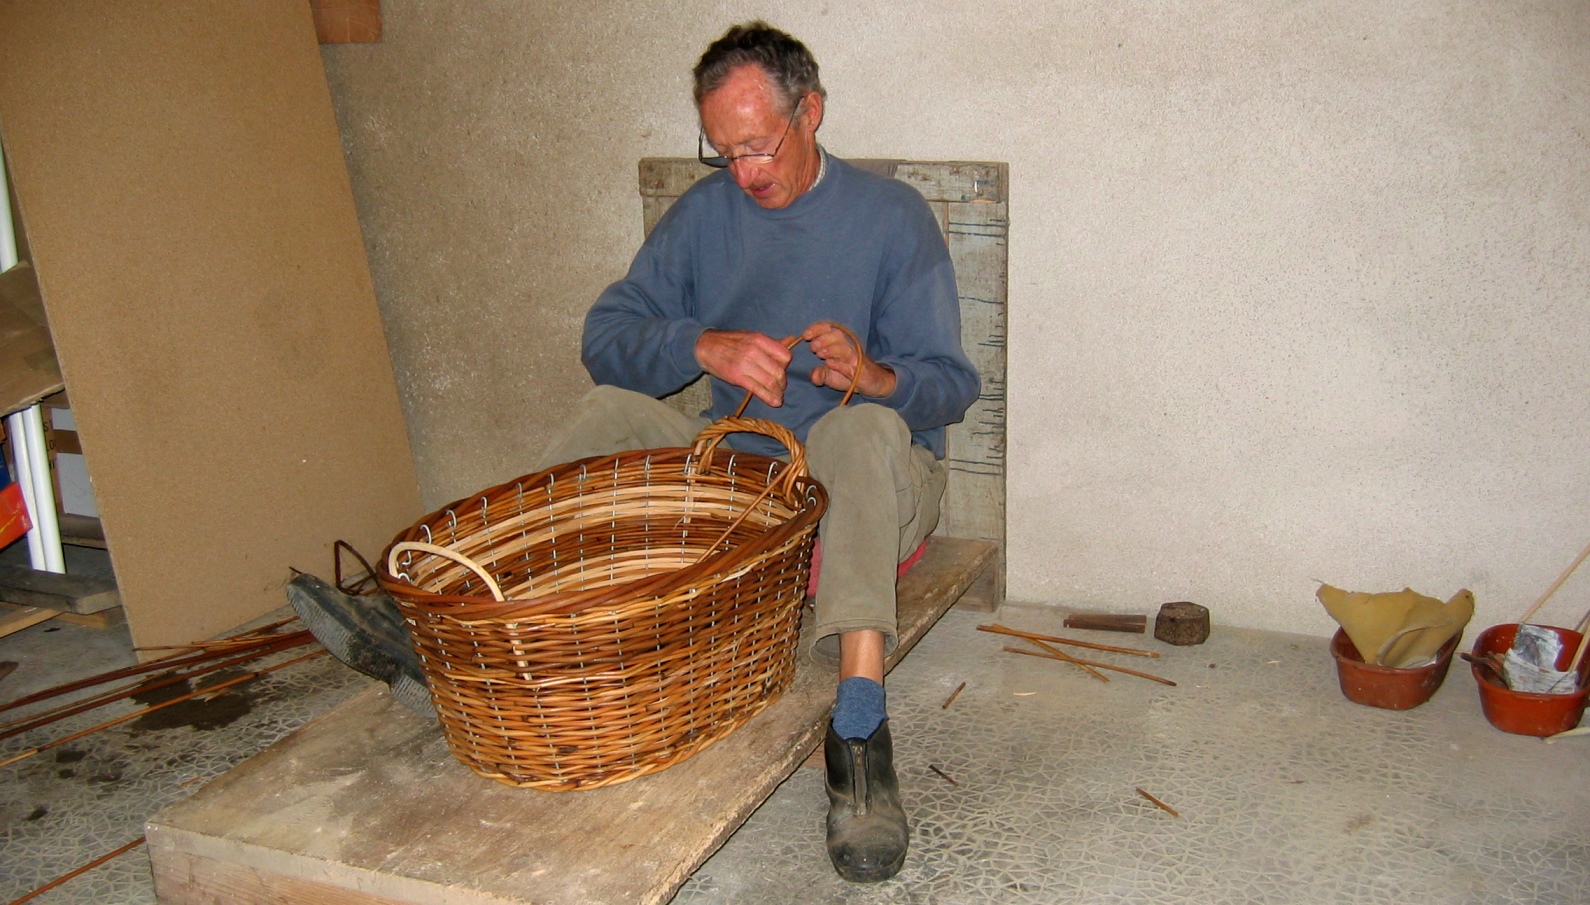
1297, 291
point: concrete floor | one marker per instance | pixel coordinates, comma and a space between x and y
1286, 791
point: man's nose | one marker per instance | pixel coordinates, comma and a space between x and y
743, 172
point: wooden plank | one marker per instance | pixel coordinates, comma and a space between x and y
986, 593
69, 593
81, 530
367, 799
25, 617
668, 177
107, 618
652, 209
959, 182
974, 501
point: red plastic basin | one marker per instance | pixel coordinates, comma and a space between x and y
1527, 713
1383, 686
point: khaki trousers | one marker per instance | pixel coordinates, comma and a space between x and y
883, 494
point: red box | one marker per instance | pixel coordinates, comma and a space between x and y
14, 520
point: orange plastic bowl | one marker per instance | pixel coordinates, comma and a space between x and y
1522, 712
1383, 686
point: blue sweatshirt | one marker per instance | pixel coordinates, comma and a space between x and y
857, 248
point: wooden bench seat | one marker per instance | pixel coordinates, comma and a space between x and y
366, 805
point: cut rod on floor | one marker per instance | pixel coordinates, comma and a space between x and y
81, 870
1055, 639
1046, 654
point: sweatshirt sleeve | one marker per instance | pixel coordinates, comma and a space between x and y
641, 333
917, 326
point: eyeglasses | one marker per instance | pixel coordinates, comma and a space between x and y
725, 160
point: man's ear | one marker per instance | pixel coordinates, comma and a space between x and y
814, 110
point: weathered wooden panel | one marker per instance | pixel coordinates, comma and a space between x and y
652, 207
974, 501
366, 806
668, 177
955, 181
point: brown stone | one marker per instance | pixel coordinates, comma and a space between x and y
1182, 622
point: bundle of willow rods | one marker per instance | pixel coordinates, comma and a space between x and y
185, 664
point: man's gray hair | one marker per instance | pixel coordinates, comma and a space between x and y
788, 64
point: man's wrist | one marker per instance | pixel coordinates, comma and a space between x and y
884, 384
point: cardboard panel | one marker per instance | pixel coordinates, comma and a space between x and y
28, 369
181, 180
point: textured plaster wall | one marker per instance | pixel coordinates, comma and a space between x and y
1297, 291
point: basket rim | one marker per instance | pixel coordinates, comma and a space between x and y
574, 602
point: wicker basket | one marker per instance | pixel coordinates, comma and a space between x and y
653, 605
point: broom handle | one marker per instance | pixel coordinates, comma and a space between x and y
1583, 637
443, 552
1555, 585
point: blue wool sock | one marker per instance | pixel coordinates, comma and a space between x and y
858, 708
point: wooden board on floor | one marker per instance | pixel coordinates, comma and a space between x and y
365, 806
107, 618
26, 617
67, 593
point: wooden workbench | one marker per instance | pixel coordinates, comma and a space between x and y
365, 806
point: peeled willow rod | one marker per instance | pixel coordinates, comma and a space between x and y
1039, 653
289, 640
1055, 639
81, 870
153, 707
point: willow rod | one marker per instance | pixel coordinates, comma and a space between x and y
1059, 654
1039, 653
1160, 804
153, 707
81, 870
1055, 639
953, 695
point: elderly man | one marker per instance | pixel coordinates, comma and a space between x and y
789, 241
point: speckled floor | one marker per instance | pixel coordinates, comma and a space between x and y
1286, 791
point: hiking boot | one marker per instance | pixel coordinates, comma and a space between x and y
867, 831
367, 633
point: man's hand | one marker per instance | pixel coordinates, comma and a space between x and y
748, 360
841, 360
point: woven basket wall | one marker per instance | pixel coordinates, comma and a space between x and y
641, 622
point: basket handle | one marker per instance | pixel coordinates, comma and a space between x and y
706, 442
454, 555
